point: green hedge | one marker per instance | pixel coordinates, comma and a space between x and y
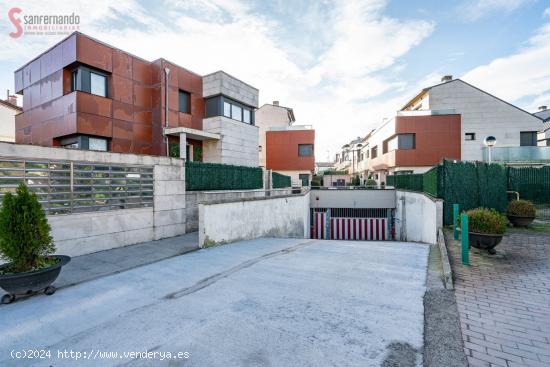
471, 185
413, 182
280, 181
429, 181
213, 176
532, 183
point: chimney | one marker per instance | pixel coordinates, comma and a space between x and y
446, 78
11, 98
543, 108
275, 103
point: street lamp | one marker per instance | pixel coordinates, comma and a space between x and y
489, 142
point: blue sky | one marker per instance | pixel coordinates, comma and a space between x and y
342, 65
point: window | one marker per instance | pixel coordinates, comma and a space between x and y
224, 106
97, 144
528, 138
85, 142
374, 152
98, 84
470, 136
246, 116
401, 173
185, 101
305, 150
227, 109
87, 80
259, 148
304, 178
406, 141
236, 112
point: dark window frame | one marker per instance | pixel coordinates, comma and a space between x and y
83, 142
374, 152
184, 95
532, 140
400, 142
472, 136
81, 80
306, 155
214, 107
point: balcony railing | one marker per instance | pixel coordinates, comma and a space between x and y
518, 154
450, 111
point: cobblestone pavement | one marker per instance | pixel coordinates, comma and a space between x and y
504, 301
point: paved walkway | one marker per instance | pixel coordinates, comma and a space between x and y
504, 301
265, 302
99, 264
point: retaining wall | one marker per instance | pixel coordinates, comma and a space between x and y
418, 216
244, 219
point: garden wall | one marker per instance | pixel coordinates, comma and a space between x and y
285, 216
98, 228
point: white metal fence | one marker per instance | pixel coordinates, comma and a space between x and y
72, 187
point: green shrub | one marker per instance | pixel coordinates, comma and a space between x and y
25, 240
371, 182
489, 221
521, 208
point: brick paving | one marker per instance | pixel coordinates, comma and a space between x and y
504, 301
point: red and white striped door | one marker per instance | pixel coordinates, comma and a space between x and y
359, 229
318, 228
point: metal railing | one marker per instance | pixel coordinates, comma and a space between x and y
66, 187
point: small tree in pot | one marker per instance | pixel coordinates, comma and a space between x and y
520, 213
485, 228
26, 243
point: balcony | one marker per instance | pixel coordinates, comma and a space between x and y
450, 111
518, 155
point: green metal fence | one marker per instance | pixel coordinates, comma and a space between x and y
477, 184
280, 181
531, 183
212, 176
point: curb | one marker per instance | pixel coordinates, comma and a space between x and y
447, 270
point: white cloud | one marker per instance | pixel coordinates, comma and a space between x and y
546, 12
475, 9
522, 74
335, 90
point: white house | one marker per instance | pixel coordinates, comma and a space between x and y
8, 110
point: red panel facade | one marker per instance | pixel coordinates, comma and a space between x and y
132, 114
436, 137
282, 150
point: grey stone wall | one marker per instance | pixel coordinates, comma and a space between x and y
222, 83
238, 144
82, 233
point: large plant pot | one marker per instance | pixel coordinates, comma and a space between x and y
23, 284
518, 221
484, 241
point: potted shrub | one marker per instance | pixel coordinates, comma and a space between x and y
520, 213
27, 246
485, 228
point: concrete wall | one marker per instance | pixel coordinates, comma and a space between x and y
417, 217
353, 198
82, 233
222, 83
193, 198
482, 114
7, 123
238, 144
286, 216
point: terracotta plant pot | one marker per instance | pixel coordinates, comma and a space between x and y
484, 241
23, 284
519, 221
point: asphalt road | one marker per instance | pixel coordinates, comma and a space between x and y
266, 302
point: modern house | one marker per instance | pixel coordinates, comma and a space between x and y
284, 147
544, 136
8, 110
450, 120
85, 94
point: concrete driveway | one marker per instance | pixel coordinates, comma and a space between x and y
266, 302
